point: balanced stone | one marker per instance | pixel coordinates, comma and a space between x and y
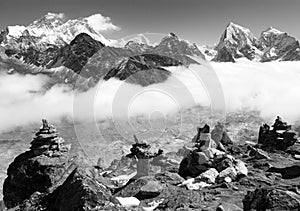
47, 141
142, 152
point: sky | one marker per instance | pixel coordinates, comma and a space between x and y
199, 21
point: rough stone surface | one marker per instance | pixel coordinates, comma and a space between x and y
271, 199
209, 176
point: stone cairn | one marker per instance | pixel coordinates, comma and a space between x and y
219, 134
141, 151
280, 137
207, 163
47, 141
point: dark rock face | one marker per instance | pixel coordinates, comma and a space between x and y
141, 188
76, 54
144, 69
84, 189
287, 172
224, 55
271, 198
28, 174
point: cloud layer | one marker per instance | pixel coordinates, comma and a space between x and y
271, 88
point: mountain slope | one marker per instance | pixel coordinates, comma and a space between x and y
75, 55
176, 48
143, 69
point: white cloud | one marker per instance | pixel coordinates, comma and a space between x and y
272, 88
101, 23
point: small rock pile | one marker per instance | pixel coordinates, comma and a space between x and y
207, 163
141, 151
280, 137
47, 141
219, 134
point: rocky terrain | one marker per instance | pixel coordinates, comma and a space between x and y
211, 170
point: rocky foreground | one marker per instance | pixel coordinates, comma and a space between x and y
211, 172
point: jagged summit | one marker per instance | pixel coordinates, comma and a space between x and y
237, 35
236, 42
272, 30
84, 37
174, 47
51, 19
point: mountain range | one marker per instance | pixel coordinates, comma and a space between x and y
75, 53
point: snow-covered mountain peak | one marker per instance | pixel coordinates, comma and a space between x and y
271, 31
57, 18
233, 25
53, 28
51, 15
237, 41
234, 33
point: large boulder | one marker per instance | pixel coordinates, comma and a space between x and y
194, 164
229, 172
141, 188
271, 199
28, 174
209, 176
287, 172
84, 189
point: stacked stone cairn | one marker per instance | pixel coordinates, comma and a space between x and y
219, 134
280, 137
207, 163
141, 151
48, 142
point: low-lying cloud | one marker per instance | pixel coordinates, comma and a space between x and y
271, 88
